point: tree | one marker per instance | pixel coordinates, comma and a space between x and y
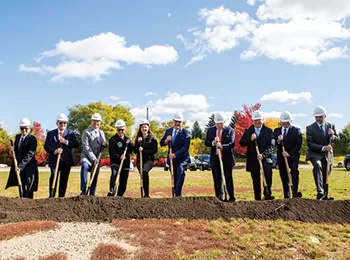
343, 146
196, 131
197, 146
4, 147
272, 122
211, 121
80, 118
243, 121
39, 133
233, 121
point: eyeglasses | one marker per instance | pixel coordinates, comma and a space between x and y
23, 128
120, 130
62, 123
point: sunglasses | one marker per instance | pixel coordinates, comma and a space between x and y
120, 130
62, 123
22, 128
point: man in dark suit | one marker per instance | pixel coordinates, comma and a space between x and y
60, 141
263, 136
290, 138
24, 148
319, 136
221, 139
179, 139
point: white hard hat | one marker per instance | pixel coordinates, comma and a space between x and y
218, 118
256, 115
144, 122
24, 122
120, 123
320, 111
96, 117
62, 117
286, 117
178, 117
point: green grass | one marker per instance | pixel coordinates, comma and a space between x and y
200, 182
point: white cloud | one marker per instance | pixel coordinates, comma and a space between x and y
224, 29
169, 15
98, 55
113, 98
272, 114
150, 94
285, 96
304, 32
251, 2
336, 115
299, 115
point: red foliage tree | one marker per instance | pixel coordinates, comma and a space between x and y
243, 121
40, 135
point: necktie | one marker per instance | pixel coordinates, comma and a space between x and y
20, 142
97, 136
284, 133
321, 127
175, 132
219, 135
61, 134
257, 132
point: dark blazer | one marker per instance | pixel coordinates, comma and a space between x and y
227, 141
316, 140
116, 149
265, 145
180, 146
150, 148
52, 142
26, 161
292, 143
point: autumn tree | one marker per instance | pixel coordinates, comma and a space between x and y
196, 131
343, 147
243, 121
197, 146
39, 133
272, 122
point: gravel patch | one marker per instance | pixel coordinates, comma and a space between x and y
77, 240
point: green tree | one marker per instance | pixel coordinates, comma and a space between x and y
211, 121
196, 130
4, 147
343, 146
80, 118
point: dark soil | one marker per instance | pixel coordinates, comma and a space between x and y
95, 209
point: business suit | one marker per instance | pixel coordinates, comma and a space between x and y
180, 145
292, 141
265, 144
316, 140
227, 141
116, 149
52, 142
25, 155
92, 140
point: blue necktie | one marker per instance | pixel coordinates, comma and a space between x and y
173, 141
257, 132
321, 127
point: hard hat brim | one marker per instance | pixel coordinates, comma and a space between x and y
219, 122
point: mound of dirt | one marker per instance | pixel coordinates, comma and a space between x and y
92, 209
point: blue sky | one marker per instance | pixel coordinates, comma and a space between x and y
196, 57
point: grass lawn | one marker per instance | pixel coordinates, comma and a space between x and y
198, 183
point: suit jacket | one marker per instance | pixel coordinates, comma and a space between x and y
316, 140
91, 144
292, 143
52, 142
26, 161
265, 145
180, 146
227, 141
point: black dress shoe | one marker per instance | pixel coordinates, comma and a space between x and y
232, 200
319, 197
269, 197
146, 196
110, 194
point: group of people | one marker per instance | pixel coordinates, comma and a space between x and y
259, 139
